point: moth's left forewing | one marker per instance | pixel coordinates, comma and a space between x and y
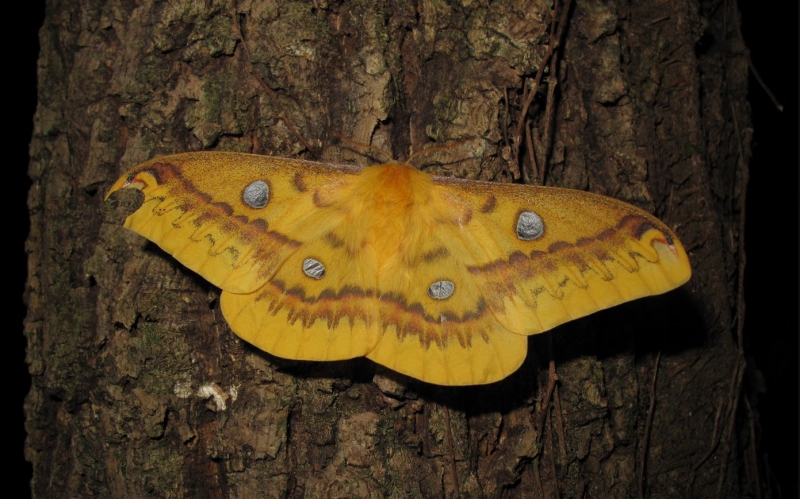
223, 215
546, 255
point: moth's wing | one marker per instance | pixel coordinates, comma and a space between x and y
435, 319
574, 254
240, 221
194, 208
561, 254
321, 303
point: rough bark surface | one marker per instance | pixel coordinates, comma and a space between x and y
140, 388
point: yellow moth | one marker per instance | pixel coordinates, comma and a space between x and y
440, 279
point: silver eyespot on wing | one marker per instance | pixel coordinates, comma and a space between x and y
441, 290
256, 195
313, 268
529, 226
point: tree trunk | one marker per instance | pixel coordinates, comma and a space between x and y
139, 386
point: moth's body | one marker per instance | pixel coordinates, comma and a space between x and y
435, 278
391, 204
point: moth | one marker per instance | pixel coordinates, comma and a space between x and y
437, 278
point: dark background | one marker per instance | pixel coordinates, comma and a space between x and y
771, 280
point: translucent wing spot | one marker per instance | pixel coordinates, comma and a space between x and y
313, 268
256, 195
529, 226
441, 290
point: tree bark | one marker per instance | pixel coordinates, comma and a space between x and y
139, 386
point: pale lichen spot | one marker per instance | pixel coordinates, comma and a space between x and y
182, 389
256, 195
313, 268
441, 290
529, 226
215, 394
